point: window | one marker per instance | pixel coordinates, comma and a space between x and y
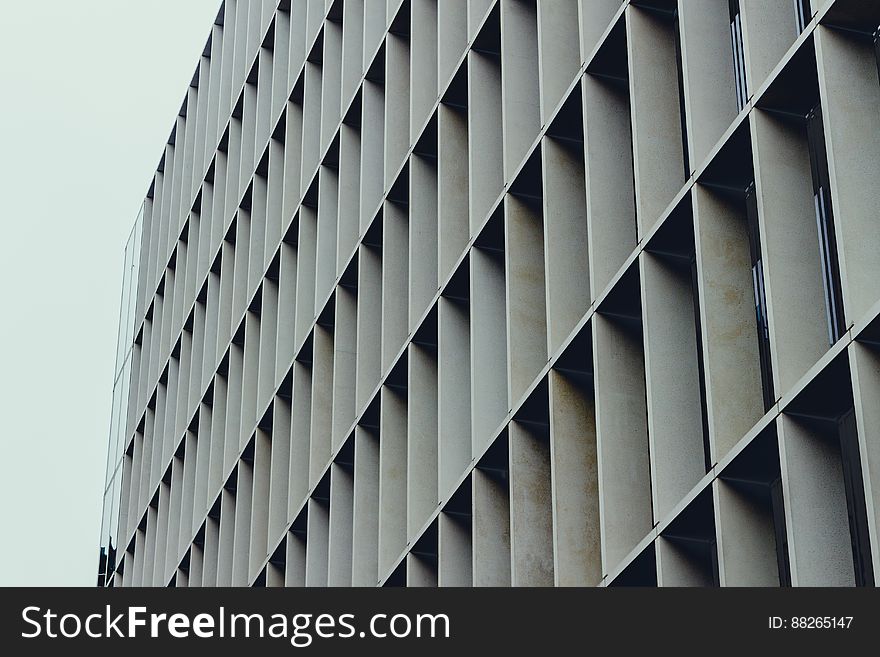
877, 48
739, 61
802, 14
825, 225
855, 499
760, 296
681, 106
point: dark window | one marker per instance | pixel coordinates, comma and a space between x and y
681, 107
856, 507
777, 508
704, 414
802, 14
111, 560
739, 61
102, 567
760, 296
877, 48
825, 226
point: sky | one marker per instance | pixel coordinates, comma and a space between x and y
89, 90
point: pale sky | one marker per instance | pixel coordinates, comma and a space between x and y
89, 90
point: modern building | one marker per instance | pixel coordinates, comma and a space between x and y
508, 292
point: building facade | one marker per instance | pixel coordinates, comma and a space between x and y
508, 292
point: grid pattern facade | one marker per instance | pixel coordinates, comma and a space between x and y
508, 292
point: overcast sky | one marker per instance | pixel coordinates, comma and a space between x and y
89, 90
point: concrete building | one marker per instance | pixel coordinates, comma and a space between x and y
508, 292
